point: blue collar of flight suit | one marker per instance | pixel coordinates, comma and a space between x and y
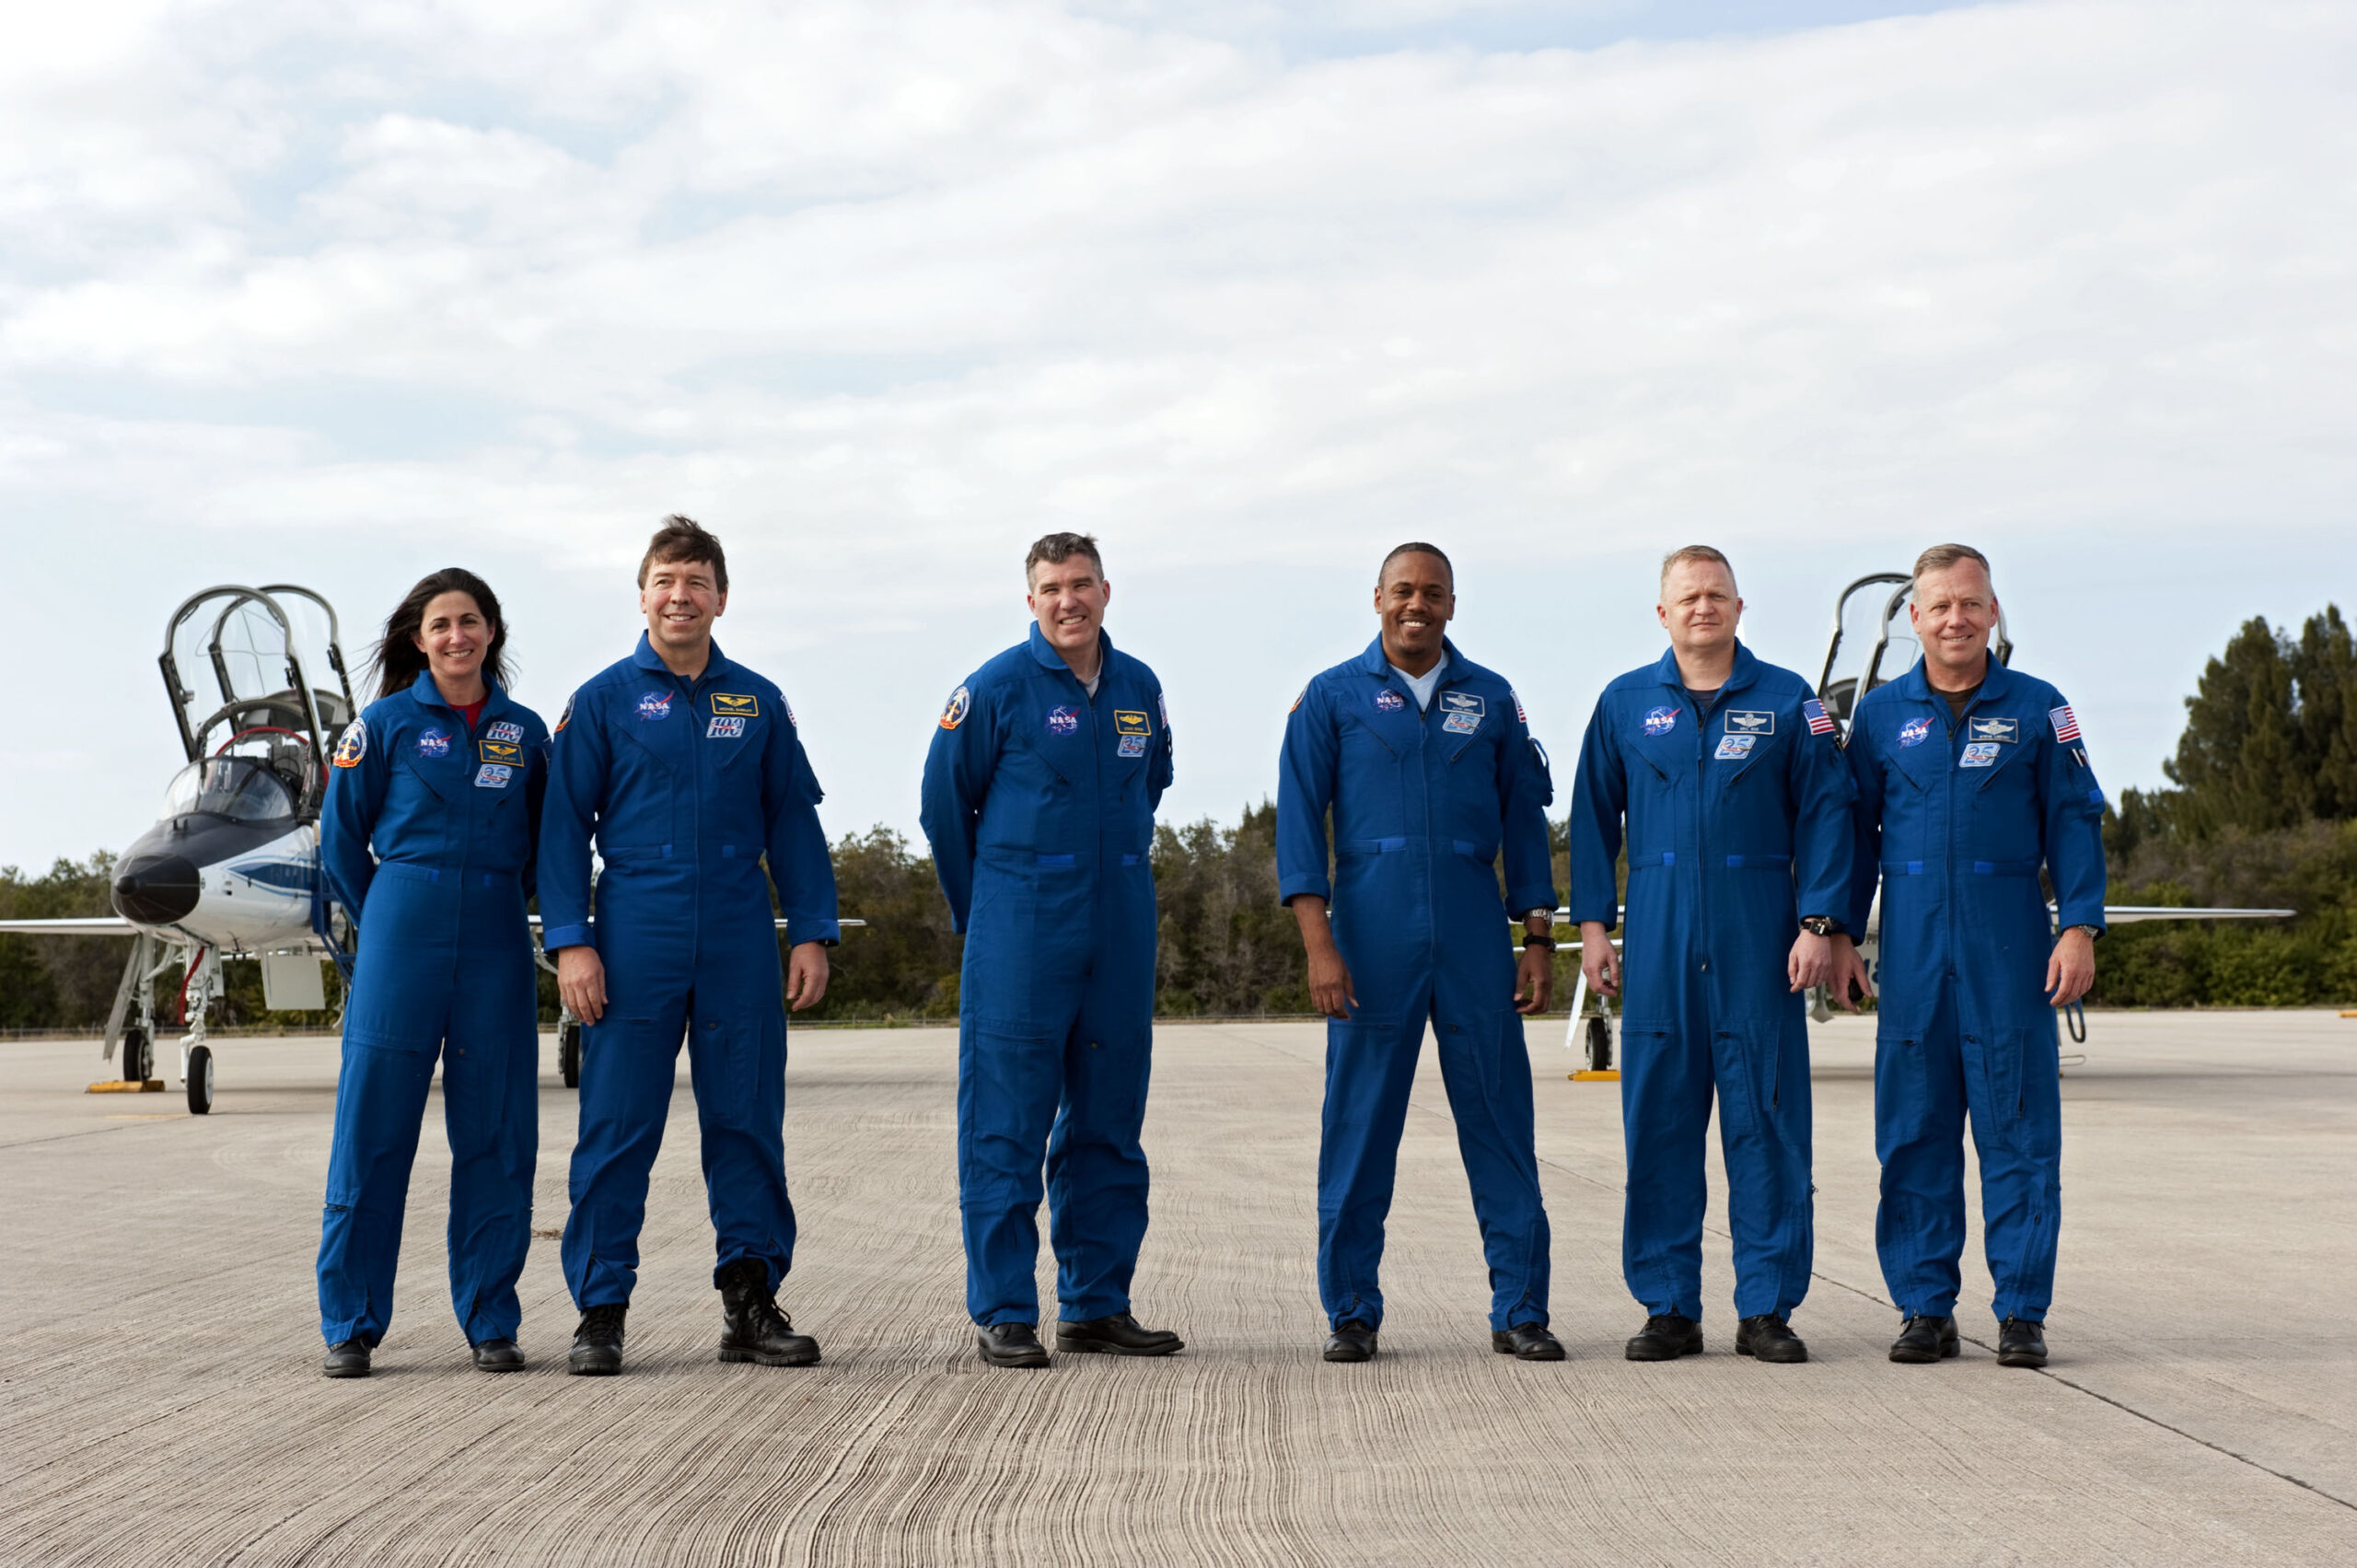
426, 694
1045, 652
1746, 671
1377, 664
1995, 686
647, 658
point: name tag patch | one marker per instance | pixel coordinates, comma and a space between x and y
2005, 732
1751, 721
1127, 722
1462, 702
730, 727
1661, 721
1134, 745
744, 707
500, 752
1980, 754
494, 775
1731, 747
506, 730
1461, 723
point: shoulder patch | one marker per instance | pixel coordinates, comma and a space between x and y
961, 702
353, 746
565, 717
1516, 698
1820, 721
2066, 722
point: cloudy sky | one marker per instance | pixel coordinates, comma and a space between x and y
340, 293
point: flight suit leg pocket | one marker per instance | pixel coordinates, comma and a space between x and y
2035, 1124
1009, 1083
1902, 1089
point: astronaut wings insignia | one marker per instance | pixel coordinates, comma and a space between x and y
727, 706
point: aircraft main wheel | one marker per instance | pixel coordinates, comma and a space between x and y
1599, 1046
138, 1055
568, 1054
199, 1080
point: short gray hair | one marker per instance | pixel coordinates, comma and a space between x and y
1058, 548
1694, 552
1940, 557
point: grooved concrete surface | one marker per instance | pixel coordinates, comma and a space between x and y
159, 1400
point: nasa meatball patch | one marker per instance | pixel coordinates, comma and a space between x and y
1914, 732
1661, 721
434, 743
1389, 701
353, 746
654, 706
1064, 720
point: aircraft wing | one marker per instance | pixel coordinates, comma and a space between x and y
93, 926
2128, 914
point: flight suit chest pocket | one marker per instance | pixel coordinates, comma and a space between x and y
654, 723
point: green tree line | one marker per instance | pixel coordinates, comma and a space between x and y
2261, 811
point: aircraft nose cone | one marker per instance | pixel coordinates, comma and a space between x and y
156, 889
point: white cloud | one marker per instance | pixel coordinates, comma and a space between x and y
925, 280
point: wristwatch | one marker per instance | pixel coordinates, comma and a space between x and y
1821, 925
2095, 933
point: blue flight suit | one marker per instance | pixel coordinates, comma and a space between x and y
1957, 818
1423, 805
1038, 804
445, 967
1738, 824
687, 786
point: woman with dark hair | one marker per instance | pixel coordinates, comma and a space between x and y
433, 810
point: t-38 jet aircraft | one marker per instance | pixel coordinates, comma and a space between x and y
1887, 594
231, 868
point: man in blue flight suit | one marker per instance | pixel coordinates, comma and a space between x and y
1971, 778
1426, 762
1039, 792
1737, 803
688, 769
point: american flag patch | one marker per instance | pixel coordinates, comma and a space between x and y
1518, 705
2066, 723
1820, 721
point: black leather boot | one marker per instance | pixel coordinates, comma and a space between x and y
598, 1342
1925, 1340
2021, 1344
1769, 1338
1527, 1341
499, 1356
1351, 1341
349, 1359
1118, 1335
752, 1329
1009, 1344
1666, 1337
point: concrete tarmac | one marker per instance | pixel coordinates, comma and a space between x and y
160, 1400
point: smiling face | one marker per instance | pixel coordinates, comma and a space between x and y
1954, 610
680, 601
1416, 598
1068, 598
454, 637
1700, 608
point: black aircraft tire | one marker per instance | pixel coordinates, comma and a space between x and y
138, 1055
1599, 1046
199, 1080
568, 1054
